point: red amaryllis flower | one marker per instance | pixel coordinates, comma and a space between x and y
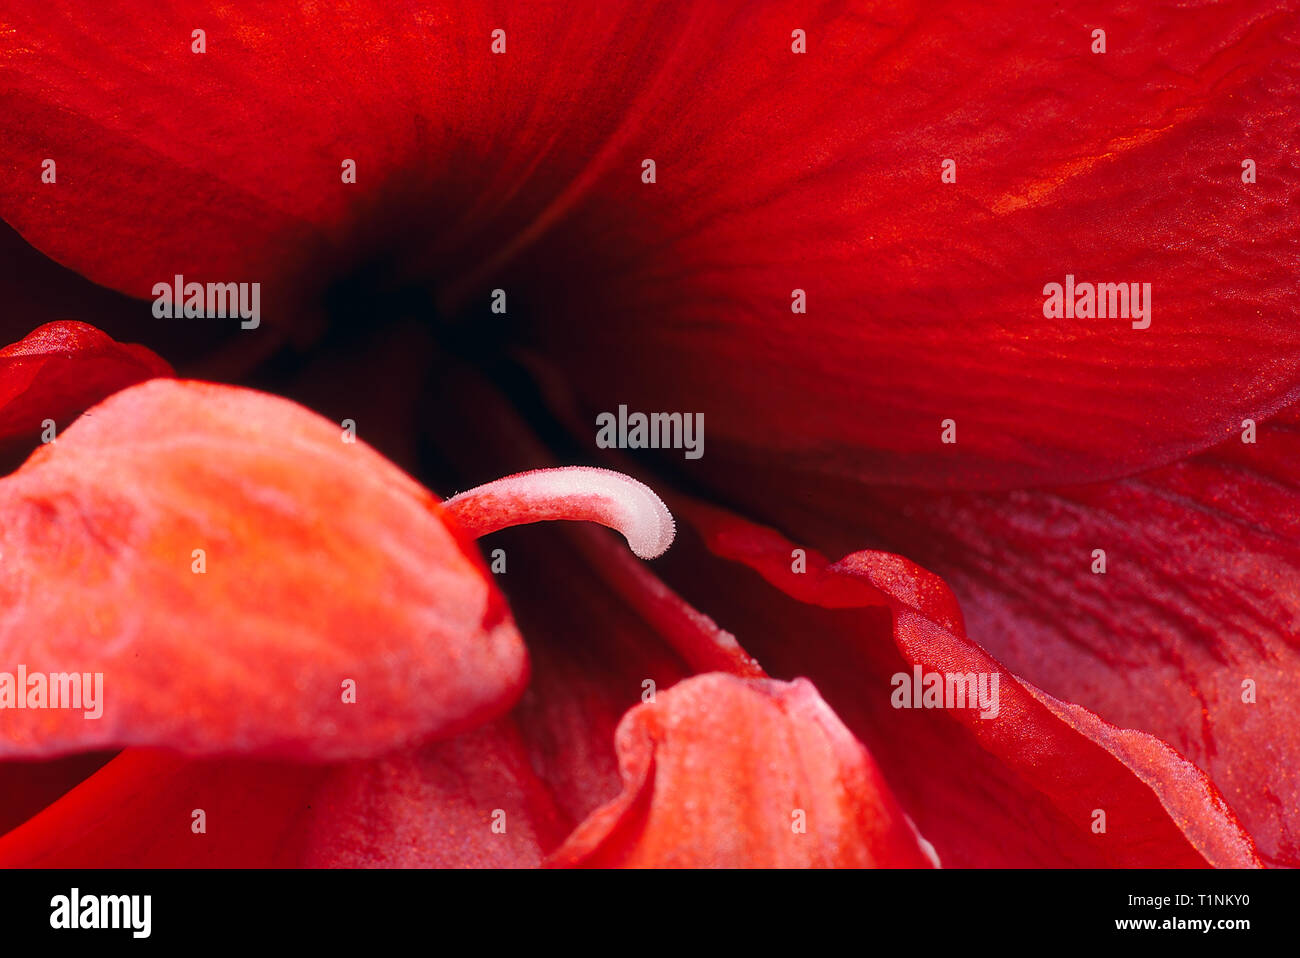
831, 231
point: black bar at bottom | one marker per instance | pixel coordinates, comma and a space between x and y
329, 908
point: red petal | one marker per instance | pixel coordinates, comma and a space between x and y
548, 765
324, 565
432, 806
471, 802
138, 811
1038, 771
1199, 596
821, 172
60, 369
448, 139
722, 772
27, 787
36, 290
818, 171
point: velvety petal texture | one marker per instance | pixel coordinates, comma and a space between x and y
820, 172
807, 280
1044, 770
724, 772
830, 230
1166, 602
505, 794
246, 579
